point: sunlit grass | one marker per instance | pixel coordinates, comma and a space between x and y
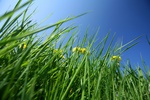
31, 68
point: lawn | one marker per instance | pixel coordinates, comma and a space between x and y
33, 68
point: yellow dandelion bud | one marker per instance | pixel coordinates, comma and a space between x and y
118, 58
75, 49
82, 50
24, 45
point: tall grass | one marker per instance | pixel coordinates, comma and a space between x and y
34, 69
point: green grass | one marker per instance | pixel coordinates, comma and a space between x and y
34, 69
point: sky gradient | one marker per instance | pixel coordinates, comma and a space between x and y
127, 18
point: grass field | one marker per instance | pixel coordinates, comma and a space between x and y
35, 69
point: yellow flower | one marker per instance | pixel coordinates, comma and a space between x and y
80, 50
24, 45
118, 58
76, 49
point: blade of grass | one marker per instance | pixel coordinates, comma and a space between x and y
73, 78
10, 13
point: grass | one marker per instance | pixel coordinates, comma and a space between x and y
34, 69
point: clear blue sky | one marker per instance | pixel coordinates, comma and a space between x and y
127, 18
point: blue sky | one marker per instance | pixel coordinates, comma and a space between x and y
127, 18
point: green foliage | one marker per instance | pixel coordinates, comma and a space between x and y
31, 69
